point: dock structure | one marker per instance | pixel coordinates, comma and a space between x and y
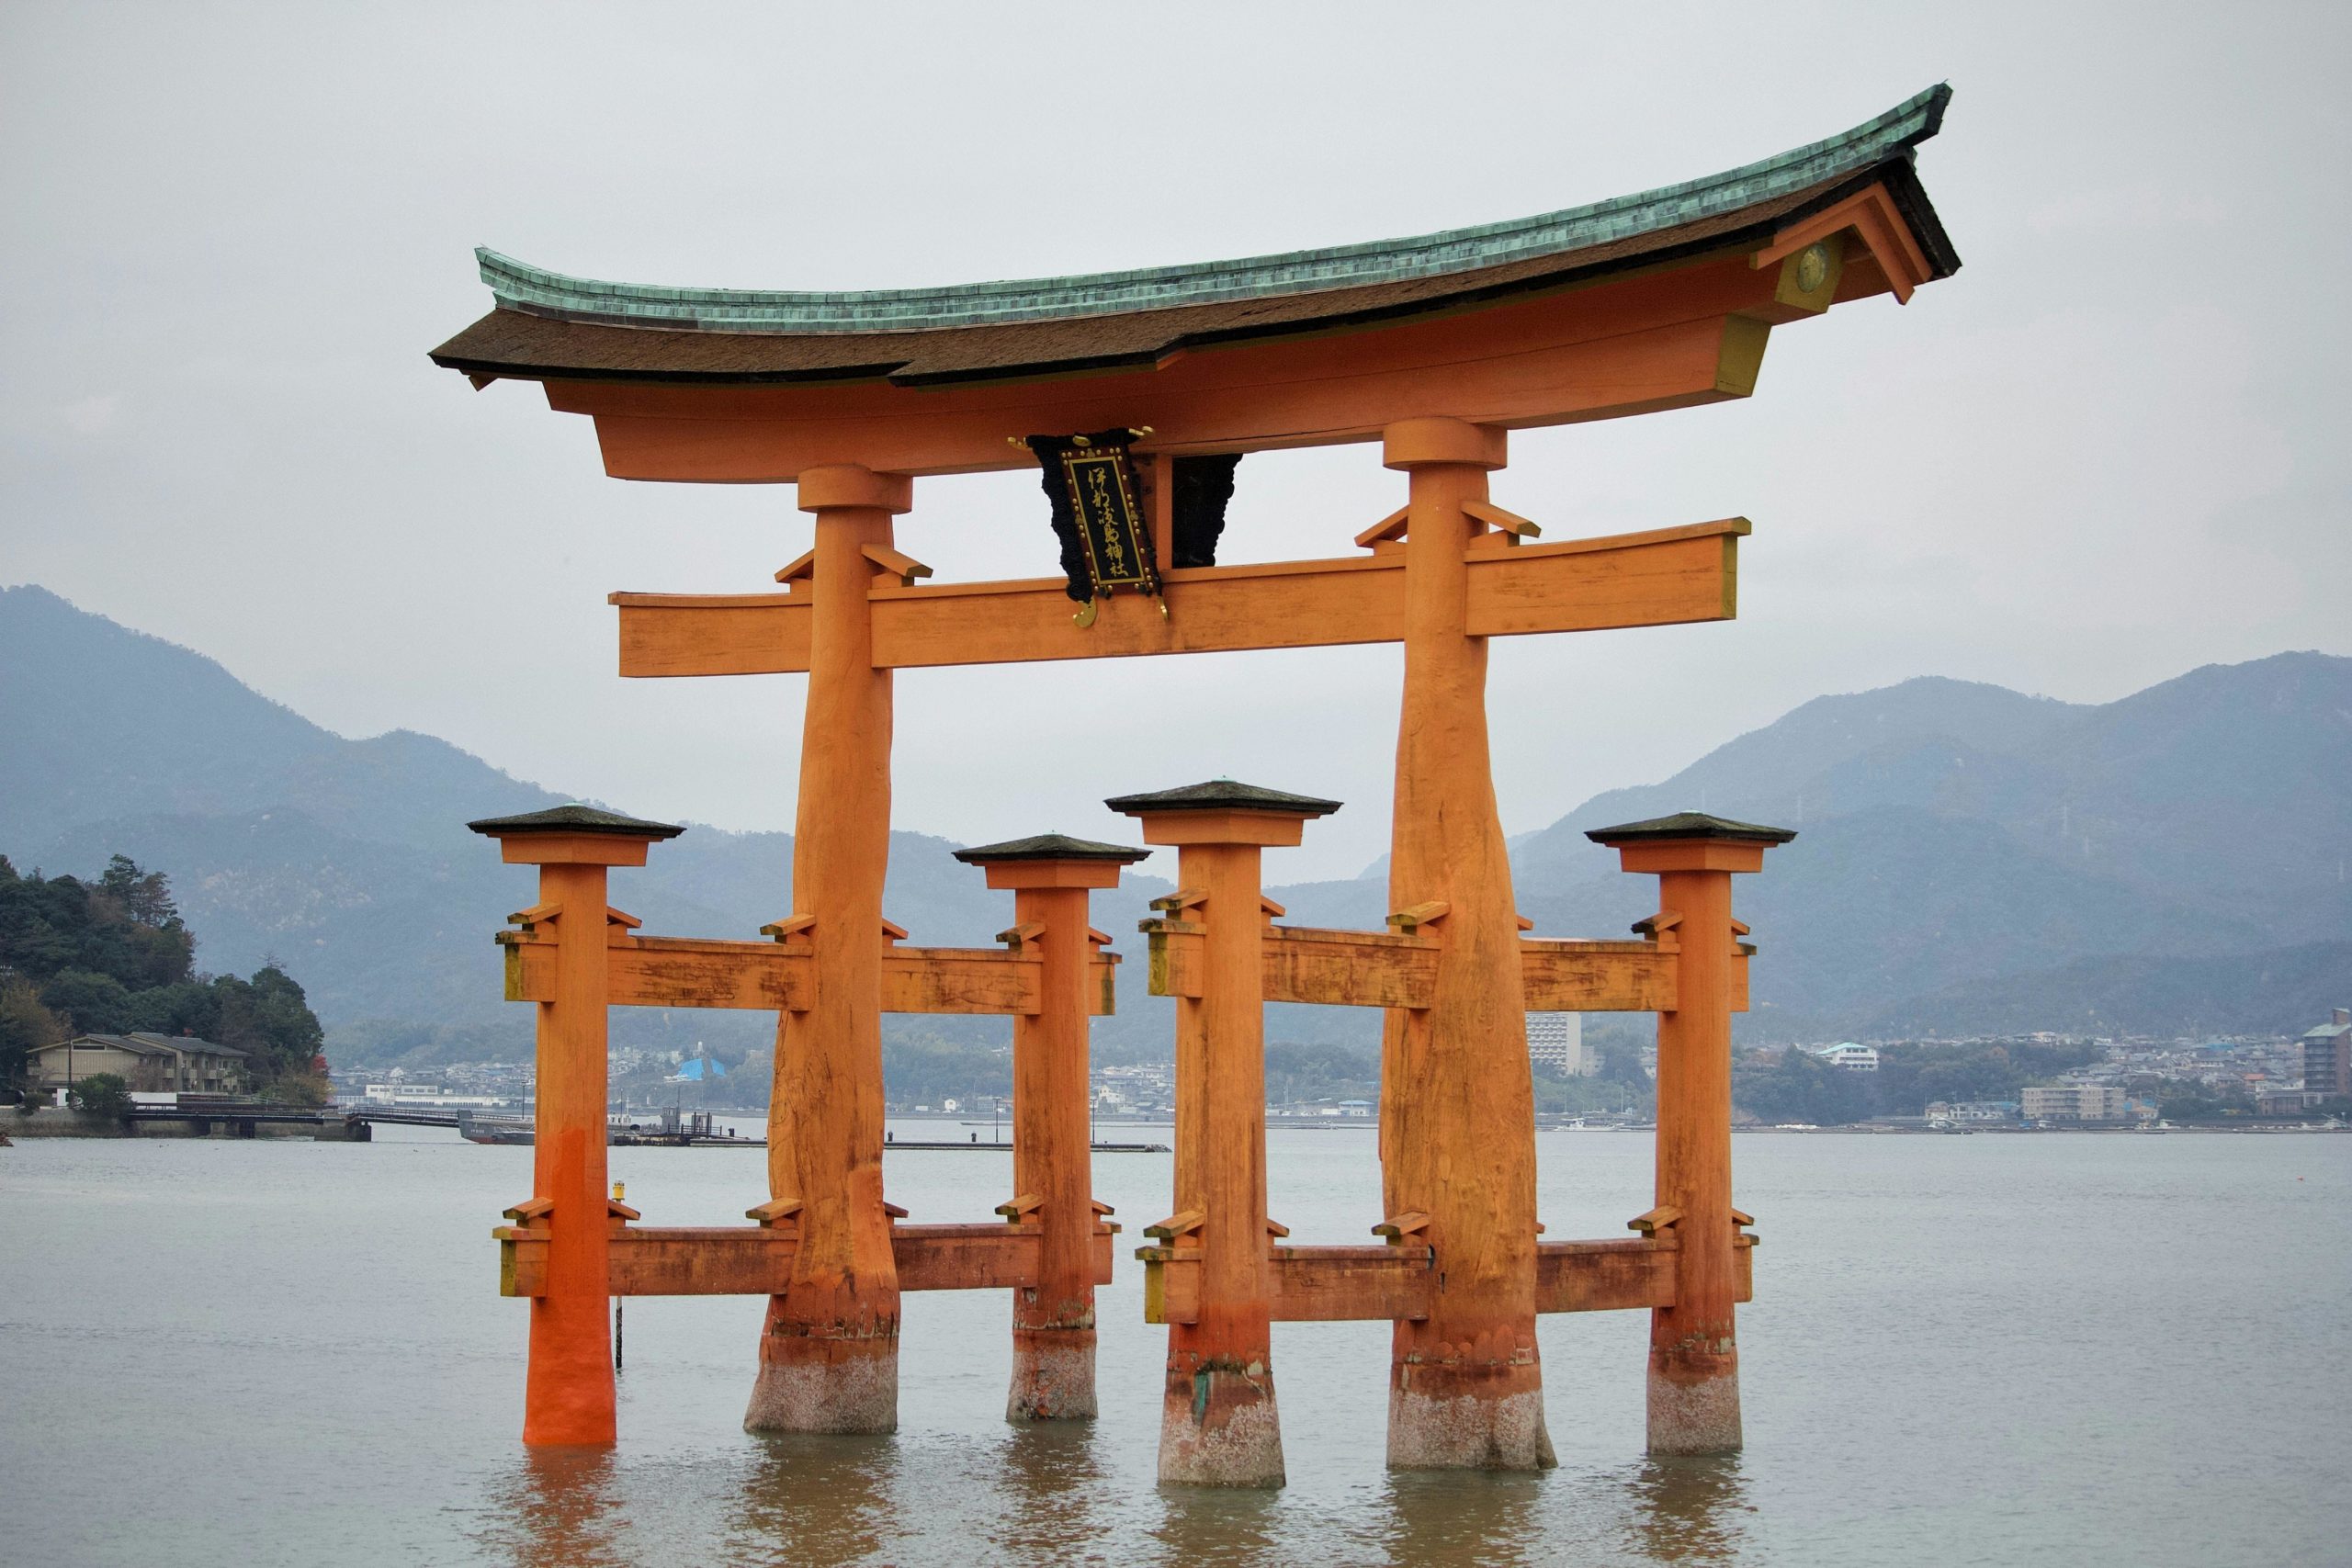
1138, 394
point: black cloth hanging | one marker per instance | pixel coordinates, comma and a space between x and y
1202, 486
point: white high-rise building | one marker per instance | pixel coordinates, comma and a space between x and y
1556, 1040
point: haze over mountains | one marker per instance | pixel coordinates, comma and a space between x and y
1971, 859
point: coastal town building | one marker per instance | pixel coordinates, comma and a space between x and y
1555, 1039
148, 1063
1971, 1112
1846, 1054
2327, 1057
2076, 1102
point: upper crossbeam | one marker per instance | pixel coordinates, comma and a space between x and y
1663, 577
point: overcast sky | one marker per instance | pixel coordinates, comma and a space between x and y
2110, 449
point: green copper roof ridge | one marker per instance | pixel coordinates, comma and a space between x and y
1891, 135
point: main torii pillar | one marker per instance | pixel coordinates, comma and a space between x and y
829, 1353
1457, 1096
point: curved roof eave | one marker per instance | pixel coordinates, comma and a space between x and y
1887, 138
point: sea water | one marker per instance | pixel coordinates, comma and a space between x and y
2062, 1349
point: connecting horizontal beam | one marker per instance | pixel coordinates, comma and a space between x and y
1331, 1285
1663, 577
1344, 969
756, 1261
771, 976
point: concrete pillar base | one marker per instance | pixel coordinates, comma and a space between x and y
817, 1383
1220, 1428
1462, 1417
1053, 1375
1694, 1403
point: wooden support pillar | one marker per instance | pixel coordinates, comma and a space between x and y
1457, 1099
1695, 1353
1218, 1422
829, 1352
568, 1388
1053, 1171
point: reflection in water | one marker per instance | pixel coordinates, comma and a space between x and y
1215, 1525
558, 1508
1450, 1516
1050, 1496
807, 1499
1690, 1510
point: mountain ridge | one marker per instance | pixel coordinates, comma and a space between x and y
1951, 833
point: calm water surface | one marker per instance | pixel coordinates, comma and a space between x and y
2066, 1349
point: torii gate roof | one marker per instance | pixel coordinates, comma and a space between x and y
548, 326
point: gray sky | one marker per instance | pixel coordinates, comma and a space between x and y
2110, 450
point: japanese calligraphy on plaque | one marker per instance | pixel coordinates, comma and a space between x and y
1107, 545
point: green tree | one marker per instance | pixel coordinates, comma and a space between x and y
25, 1026
90, 1003
101, 1095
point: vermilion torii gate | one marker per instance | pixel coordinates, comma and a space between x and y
1436, 347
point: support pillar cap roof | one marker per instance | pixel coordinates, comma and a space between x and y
574, 819
1690, 825
1223, 795
1051, 846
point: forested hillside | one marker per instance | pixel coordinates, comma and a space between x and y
112, 956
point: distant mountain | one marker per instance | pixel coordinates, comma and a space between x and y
350, 859
1969, 859
1953, 837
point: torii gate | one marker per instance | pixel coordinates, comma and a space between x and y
1436, 347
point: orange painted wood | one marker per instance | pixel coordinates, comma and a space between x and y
678, 634
1332, 1284
767, 976
1052, 1135
1596, 977
568, 1387
1669, 338
1659, 577
1466, 1383
751, 1260
1587, 584
828, 1347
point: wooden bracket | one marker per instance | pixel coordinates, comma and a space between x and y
1742, 1219
905, 568
1524, 923
1656, 1220
1022, 1207
1408, 920
531, 1209
1099, 1207
1020, 936
1174, 1225
1509, 522
1276, 1227
893, 1210
535, 915
1269, 908
1389, 531
1656, 926
893, 932
792, 928
1395, 1228
774, 1212
802, 569
1101, 939
1181, 900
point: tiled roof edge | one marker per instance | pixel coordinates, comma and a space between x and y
1889, 137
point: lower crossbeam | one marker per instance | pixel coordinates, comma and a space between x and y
756, 1261
1332, 1284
